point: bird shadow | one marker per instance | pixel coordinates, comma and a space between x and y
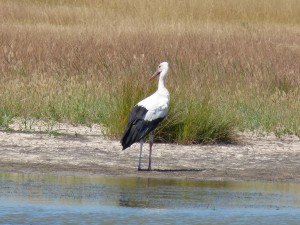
172, 170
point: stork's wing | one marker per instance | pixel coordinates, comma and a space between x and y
137, 127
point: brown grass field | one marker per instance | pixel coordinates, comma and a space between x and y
235, 64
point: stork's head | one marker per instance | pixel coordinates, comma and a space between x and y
161, 70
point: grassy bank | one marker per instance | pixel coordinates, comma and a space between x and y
234, 64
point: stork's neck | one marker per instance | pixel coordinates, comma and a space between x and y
161, 81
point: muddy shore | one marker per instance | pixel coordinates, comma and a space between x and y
84, 151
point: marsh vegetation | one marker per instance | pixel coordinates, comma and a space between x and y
235, 65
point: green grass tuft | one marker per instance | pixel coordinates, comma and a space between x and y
5, 119
196, 121
118, 106
188, 122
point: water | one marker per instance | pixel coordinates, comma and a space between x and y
48, 199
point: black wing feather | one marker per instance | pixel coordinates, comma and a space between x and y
137, 128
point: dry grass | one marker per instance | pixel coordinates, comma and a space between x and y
69, 61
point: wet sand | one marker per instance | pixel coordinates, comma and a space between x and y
84, 151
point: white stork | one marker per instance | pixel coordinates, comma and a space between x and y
147, 114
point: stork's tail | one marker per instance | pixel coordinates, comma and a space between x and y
133, 133
130, 137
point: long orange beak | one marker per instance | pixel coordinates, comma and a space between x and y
154, 75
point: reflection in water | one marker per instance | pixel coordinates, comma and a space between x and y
44, 198
128, 199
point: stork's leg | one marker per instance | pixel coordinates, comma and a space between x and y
151, 139
141, 142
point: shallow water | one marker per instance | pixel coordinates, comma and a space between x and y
49, 199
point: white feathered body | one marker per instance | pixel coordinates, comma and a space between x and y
157, 105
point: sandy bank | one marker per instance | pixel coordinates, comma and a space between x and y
81, 150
